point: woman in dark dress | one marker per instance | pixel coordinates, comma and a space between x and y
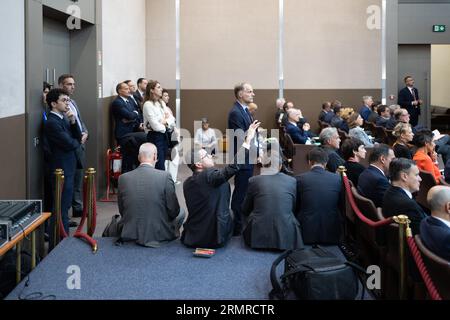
353, 151
404, 135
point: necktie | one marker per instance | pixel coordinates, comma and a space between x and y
249, 115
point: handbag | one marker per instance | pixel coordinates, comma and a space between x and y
315, 274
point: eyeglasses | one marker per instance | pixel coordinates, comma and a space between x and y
65, 100
207, 155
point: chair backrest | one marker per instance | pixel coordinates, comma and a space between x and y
289, 149
390, 137
343, 135
438, 268
381, 134
366, 206
426, 184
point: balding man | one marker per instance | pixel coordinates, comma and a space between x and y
435, 230
299, 136
148, 203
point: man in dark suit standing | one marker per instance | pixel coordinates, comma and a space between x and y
207, 193
373, 181
139, 95
64, 138
126, 118
148, 203
67, 82
319, 201
398, 199
408, 98
435, 230
239, 120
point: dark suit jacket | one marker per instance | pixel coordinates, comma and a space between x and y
63, 141
354, 170
270, 205
365, 112
122, 111
207, 193
80, 152
137, 106
239, 120
323, 114
329, 116
396, 202
373, 184
382, 122
373, 117
138, 97
319, 205
436, 236
405, 98
334, 159
148, 204
297, 135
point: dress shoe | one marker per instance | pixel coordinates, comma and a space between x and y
77, 213
73, 224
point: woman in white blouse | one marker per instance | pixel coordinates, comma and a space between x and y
205, 138
157, 121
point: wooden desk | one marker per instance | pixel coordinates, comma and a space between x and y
17, 241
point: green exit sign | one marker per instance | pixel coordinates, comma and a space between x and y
439, 28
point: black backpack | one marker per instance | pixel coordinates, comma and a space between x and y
315, 274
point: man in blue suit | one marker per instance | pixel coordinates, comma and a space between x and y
435, 229
239, 120
408, 98
373, 181
366, 109
299, 136
67, 82
126, 118
64, 138
320, 201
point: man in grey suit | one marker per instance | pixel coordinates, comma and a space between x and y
270, 205
319, 201
148, 203
67, 82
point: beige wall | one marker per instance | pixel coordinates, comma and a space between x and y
161, 42
124, 42
440, 73
228, 41
328, 45
12, 58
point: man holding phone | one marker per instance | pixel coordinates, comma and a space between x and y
64, 138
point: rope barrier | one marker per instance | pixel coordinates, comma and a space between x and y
355, 208
434, 294
89, 204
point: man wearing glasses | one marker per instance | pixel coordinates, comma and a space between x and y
64, 138
207, 193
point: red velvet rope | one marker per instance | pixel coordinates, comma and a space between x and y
62, 231
359, 213
423, 269
79, 234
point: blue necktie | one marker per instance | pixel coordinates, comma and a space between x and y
249, 115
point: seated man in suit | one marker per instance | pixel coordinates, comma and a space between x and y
398, 199
270, 206
326, 109
384, 116
299, 136
435, 230
366, 110
319, 201
148, 203
330, 140
63, 135
207, 193
373, 182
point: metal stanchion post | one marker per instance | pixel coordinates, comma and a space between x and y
59, 178
403, 222
90, 198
